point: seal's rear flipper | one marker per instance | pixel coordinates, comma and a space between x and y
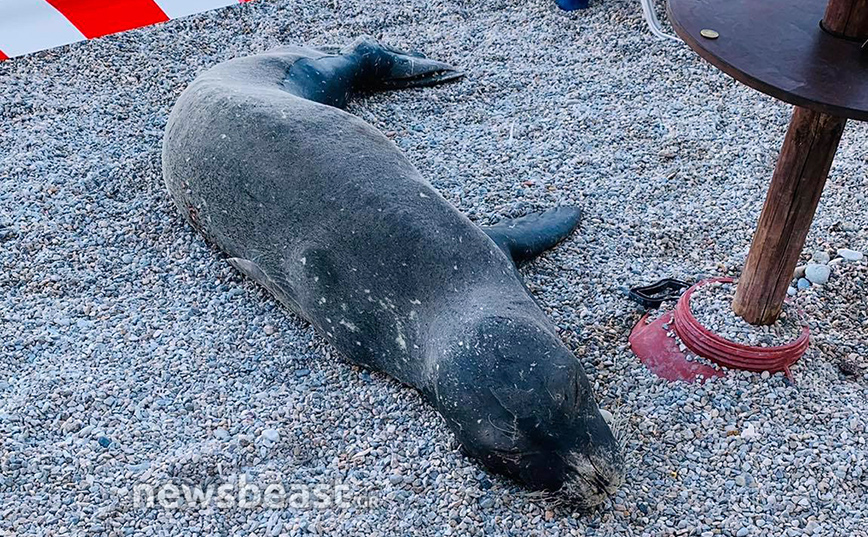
390, 68
527, 237
413, 72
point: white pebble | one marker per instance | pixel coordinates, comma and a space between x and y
272, 435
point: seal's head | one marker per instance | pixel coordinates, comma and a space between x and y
519, 401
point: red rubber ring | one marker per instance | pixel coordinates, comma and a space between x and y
709, 345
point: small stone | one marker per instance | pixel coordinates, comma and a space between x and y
765, 375
607, 416
104, 441
850, 255
269, 330
799, 272
791, 291
140, 467
818, 274
221, 434
820, 257
803, 283
740, 480
749, 432
396, 479
849, 365
71, 425
486, 502
272, 435
743, 532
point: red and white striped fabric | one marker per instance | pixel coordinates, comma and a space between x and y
31, 25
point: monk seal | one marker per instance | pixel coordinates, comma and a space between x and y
324, 211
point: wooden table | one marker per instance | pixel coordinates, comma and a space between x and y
810, 55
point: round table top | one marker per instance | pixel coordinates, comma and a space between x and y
778, 48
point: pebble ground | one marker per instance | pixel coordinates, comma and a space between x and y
131, 353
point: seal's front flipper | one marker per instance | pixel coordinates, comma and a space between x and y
527, 237
389, 68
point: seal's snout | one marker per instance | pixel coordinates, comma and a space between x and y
592, 477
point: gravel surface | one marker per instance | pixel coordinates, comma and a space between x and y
711, 305
132, 353
839, 316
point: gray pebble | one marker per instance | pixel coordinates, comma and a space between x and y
818, 274
820, 257
850, 255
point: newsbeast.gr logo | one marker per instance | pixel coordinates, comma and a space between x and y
242, 494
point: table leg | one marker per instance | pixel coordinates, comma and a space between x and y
792, 199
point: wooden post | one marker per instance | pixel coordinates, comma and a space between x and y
799, 177
797, 183
847, 18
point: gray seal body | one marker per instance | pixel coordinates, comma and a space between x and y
325, 212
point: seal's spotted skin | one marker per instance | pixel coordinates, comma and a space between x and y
327, 214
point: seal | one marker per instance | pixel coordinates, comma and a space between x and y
324, 211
